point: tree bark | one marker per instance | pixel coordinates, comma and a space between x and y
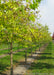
39, 47
11, 59
26, 56
31, 52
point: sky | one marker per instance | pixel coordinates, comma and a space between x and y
47, 14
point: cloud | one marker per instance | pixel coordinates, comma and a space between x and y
47, 12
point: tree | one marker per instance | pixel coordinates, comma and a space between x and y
16, 25
53, 36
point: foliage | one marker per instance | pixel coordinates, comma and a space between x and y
17, 25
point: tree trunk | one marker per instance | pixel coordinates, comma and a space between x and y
17, 47
31, 52
26, 56
11, 59
39, 47
35, 50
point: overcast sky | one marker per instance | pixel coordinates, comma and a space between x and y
47, 11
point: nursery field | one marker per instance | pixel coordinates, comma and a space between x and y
44, 63
22, 36
5, 61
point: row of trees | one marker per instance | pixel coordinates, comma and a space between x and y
18, 24
53, 36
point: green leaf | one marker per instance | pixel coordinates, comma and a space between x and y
27, 0
32, 18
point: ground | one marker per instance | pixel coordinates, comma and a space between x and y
41, 62
44, 63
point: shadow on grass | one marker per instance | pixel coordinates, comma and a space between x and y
19, 53
21, 62
43, 58
41, 66
44, 53
33, 57
2, 73
15, 61
3, 67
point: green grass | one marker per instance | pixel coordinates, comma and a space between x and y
8, 50
5, 62
15, 48
44, 63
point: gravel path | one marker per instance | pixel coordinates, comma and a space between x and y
21, 69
